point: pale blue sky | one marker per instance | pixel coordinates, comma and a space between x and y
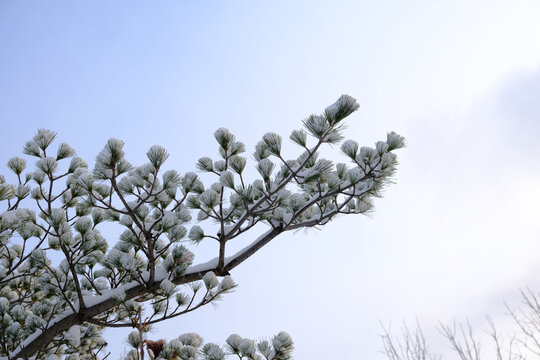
455, 236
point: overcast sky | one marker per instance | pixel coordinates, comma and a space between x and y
457, 234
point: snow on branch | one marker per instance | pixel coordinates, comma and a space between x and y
58, 270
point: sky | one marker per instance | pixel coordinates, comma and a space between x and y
453, 238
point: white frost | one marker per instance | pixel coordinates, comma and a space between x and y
73, 336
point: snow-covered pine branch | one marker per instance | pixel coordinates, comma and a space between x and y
57, 270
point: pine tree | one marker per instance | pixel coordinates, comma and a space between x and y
61, 283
